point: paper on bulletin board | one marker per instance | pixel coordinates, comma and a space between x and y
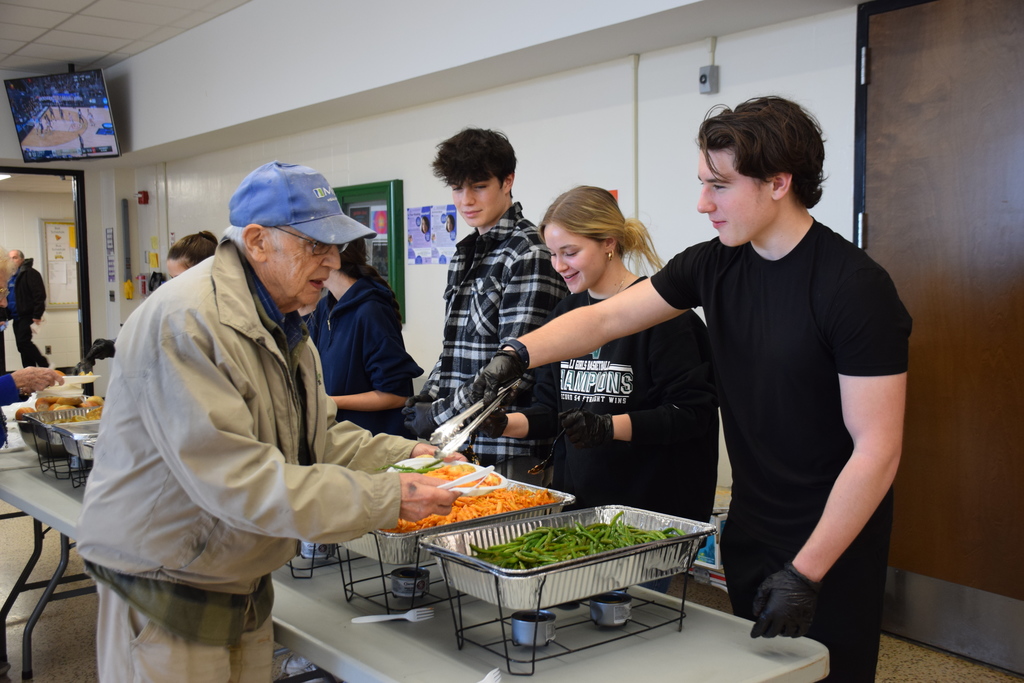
432, 233
374, 216
61, 260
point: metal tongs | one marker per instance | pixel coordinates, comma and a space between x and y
451, 435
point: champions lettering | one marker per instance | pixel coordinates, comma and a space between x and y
596, 377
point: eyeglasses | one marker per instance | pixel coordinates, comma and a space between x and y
319, 248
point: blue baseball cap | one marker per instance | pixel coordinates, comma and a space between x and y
278, 194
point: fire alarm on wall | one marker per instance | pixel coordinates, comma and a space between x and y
143, 197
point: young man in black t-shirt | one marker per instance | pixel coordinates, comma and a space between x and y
810, 342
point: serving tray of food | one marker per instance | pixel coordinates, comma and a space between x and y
472, 558
401, 545
42, 423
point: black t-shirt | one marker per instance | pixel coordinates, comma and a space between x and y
663, 378
782, 332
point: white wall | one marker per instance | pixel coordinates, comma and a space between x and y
20, 228
810, 61
566, 129
211, 73
571, 128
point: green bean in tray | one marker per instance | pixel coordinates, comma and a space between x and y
547, 545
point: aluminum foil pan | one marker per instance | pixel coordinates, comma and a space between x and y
78, 437
396, 548
522, 589
44, 422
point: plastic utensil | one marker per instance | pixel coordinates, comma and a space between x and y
418, 614
463, 480
493, 676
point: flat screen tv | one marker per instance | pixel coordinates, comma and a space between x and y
63, 116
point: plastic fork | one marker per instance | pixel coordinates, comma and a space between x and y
418, 614
493, 676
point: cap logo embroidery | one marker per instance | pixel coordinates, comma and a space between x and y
321, 192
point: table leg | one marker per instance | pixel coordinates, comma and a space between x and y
19, 587
57, 578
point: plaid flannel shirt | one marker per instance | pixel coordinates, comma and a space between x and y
501, 285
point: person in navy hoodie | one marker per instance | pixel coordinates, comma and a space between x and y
357, 328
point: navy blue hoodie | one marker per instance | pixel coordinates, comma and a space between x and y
360, 343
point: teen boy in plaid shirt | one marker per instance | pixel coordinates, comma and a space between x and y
501, 284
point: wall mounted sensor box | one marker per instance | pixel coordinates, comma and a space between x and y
708, 80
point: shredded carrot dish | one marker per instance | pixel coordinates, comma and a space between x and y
493, 503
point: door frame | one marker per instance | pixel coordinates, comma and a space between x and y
860, 117
82, 237
950, 616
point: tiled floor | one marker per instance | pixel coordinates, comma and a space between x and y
64, 638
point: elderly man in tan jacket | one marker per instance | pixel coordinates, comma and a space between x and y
218, 447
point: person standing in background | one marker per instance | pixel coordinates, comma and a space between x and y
190, 250
357, 329
19, 384
640, 414
26, 303
501, 285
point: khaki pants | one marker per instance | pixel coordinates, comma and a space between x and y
132, 649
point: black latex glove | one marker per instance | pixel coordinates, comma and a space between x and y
785, 604
100, 349
505, 368
494, 425
418, 419
586, 429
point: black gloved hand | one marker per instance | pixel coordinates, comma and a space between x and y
785, 604
494, 425
586, 429
418, 419
505, 368
100, 349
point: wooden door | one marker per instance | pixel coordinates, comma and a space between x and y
944, 200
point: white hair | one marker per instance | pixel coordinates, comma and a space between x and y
234, 233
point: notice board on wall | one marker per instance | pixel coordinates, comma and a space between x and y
60, 266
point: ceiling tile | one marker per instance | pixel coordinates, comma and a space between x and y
31, 16
34, 65
84, 41
20, 33
108, 27
61, 53
10, 46
134, 11
91, 32
69, 6
190, 5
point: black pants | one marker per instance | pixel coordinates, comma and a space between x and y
30, 355
849, 616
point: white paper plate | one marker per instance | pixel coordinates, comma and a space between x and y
79, 379
465, 491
